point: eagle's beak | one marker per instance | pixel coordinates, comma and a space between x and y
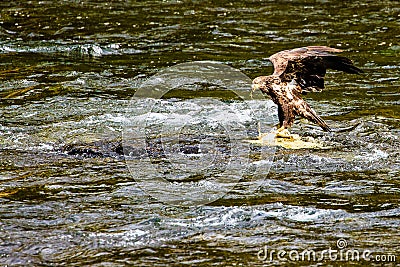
254, 87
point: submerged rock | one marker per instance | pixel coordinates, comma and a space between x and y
102, 148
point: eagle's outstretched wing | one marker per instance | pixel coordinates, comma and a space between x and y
307, 65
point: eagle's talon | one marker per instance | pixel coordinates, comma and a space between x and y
284, 133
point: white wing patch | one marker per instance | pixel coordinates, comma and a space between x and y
288, 89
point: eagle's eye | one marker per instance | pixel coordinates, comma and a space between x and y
276, 80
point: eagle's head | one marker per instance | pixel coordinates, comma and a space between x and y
264, 83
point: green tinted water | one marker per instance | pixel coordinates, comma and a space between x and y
68, 70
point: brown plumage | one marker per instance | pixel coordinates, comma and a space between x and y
298, 71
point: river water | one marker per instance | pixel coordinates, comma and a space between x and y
124, 129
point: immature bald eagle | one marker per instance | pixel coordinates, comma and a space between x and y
297, 71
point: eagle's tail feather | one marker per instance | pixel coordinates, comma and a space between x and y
312, 116
322, 123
